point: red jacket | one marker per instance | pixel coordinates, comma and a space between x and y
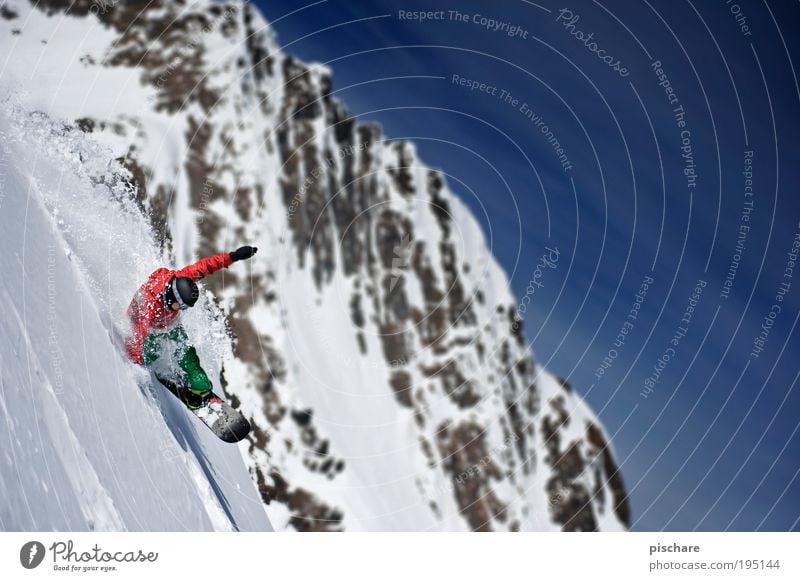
147, 310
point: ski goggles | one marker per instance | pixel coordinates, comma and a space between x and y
171, 296
176, 295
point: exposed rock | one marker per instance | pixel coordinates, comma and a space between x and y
466, 458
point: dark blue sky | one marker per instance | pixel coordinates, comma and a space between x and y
714, 445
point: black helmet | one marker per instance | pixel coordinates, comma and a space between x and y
181, 290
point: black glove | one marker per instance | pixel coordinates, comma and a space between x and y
243, 253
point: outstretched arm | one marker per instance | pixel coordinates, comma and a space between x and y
212, 264
206, 266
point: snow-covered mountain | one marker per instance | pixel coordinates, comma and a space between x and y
372, 341
87, 443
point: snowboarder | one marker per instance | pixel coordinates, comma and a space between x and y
156, 334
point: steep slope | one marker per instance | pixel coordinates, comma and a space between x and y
85, 443
376, 348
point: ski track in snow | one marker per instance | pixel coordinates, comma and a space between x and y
98, 509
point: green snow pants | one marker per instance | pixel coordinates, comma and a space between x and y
174, 346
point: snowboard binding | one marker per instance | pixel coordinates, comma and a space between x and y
227, 423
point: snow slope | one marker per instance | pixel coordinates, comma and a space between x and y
85, 442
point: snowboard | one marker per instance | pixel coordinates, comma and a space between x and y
228, 424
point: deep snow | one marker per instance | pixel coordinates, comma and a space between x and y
86, 441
